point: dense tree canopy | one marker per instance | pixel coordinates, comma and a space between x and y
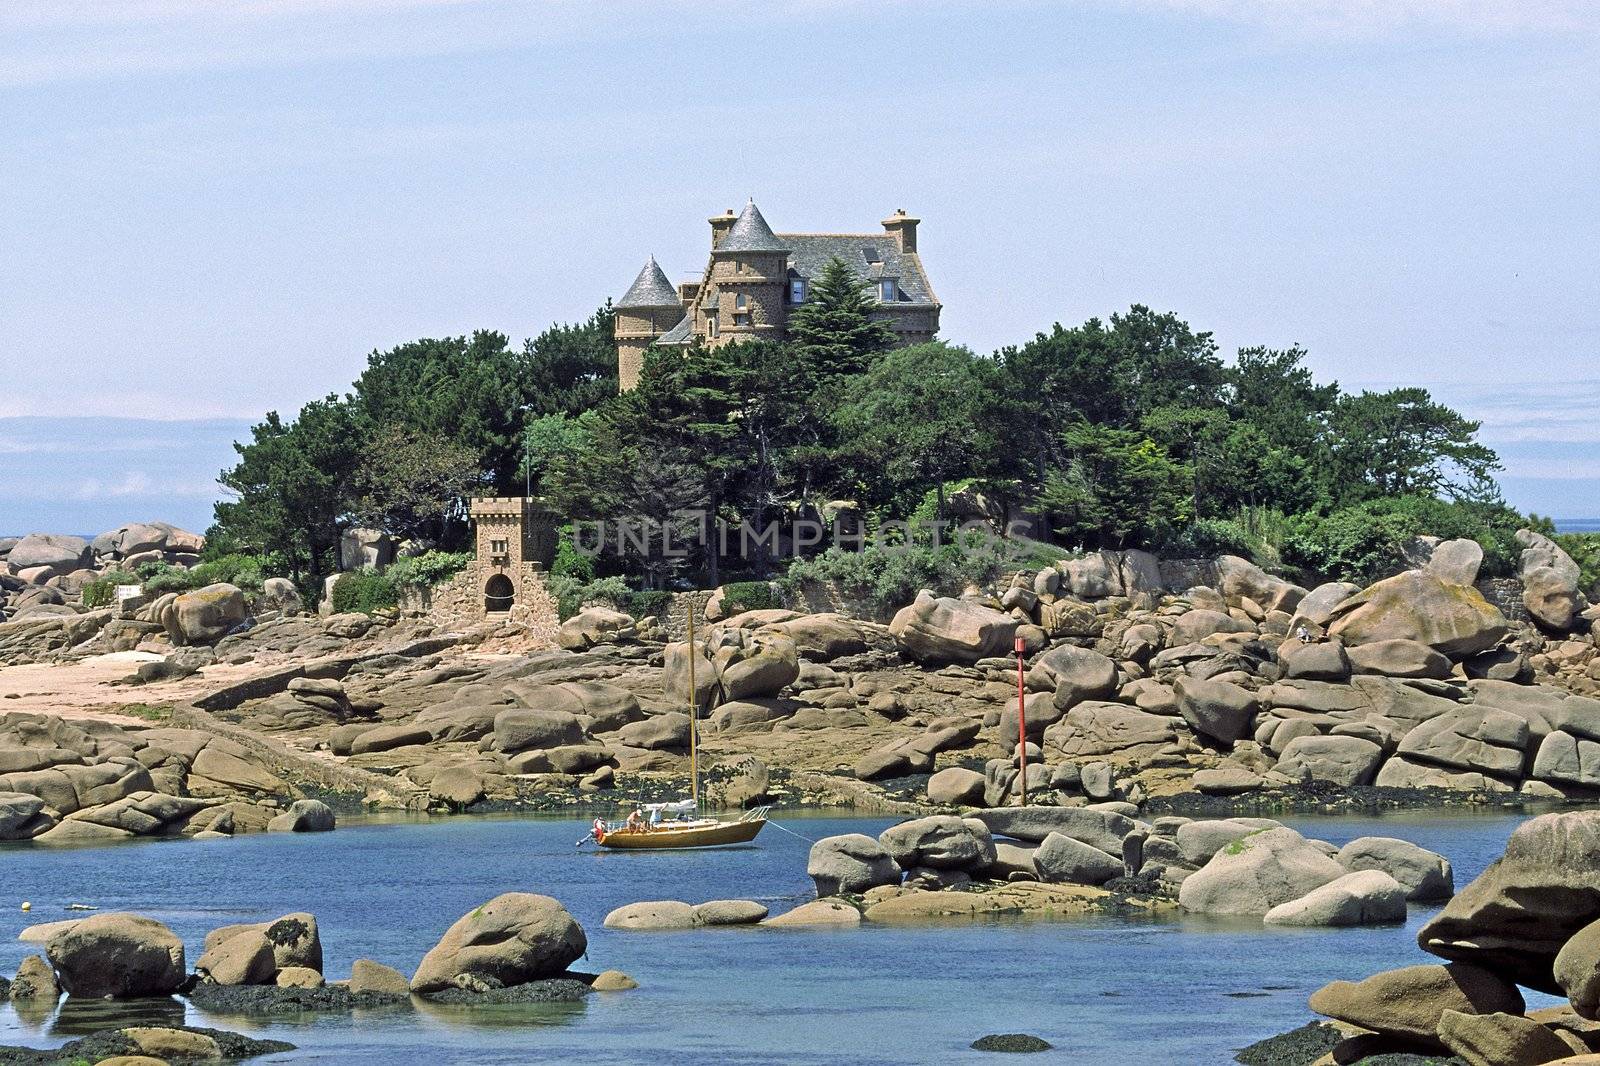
1132, 430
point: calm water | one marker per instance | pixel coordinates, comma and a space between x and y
1103, 991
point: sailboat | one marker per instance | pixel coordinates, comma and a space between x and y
681, 824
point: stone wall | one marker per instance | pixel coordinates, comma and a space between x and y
458, 603
1506, 594
677, 620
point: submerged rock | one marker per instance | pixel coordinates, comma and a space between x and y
1013, 1042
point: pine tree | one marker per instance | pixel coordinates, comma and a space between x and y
833, 333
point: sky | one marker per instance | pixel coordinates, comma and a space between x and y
209, 211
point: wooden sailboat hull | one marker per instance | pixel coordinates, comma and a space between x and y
692, 836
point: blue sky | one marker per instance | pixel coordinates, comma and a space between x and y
212, 210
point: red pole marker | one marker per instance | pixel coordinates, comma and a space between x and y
1022, 724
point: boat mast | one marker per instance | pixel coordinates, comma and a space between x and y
694, 770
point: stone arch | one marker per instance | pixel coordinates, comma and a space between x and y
498, 594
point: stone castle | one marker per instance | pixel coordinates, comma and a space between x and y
754, 276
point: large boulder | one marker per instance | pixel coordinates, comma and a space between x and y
1063, 860
850, 864
1454, 620
1103, 830
1241, 579
1339, 760
1367, 897
294, 938
512, 939
242, 959
824, 637
119, 955
1519, 913
940, 842
1504, 1040
1075, 674
944, 629
1321, 661
1399, 658
529, 729
954, 786
756, 665
1195, 626
205, 615
1552, 598
304, 816
1254, 874
1456, 561
1475, 738
1425, 875
1577, 970
595, 625
1220, 710
1408, 1003
1540, 552
57, 553
1094, 729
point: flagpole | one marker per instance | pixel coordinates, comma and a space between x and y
1022, 725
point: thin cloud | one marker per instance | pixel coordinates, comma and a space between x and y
1383, 17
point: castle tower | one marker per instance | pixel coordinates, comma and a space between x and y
514, 537
743, 298
648, 309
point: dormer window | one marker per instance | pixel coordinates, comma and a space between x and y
888, 291
797, 290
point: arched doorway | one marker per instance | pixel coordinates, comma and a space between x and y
498, 594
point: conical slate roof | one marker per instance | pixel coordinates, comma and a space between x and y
651, 289
750, 233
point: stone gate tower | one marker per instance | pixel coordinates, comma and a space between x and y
516, 540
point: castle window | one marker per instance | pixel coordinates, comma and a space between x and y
797, 290
499, 547
888, 291
711, 325
741, 311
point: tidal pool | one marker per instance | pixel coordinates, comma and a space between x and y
1103, 991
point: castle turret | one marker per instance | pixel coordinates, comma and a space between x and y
744, 295
648, 309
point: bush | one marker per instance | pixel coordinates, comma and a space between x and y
428, 569
245, 571
648, 604
886, 579
102, 591
161, 578
364, 591
741, 596
572, 596
1367, 542
1207, 538
569, 561
1585, 551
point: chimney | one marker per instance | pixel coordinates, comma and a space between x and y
903, 228
720, 225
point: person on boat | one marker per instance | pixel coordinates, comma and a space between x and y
636, 821
598, 830
655, 817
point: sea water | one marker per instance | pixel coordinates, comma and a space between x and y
1112, 991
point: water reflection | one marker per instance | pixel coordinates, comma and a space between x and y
80, 1017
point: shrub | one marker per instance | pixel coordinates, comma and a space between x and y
245, 571
569, 561
1367, 541
886, 579
741, 596
160, 578
364, 591
1207, 538
102, 591
1585, 551
428, 569
648, 604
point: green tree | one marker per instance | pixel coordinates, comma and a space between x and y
1118, 488
468, 391
1402, 443
921, 416
571, 369
414, 486
835, 332
293, 486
